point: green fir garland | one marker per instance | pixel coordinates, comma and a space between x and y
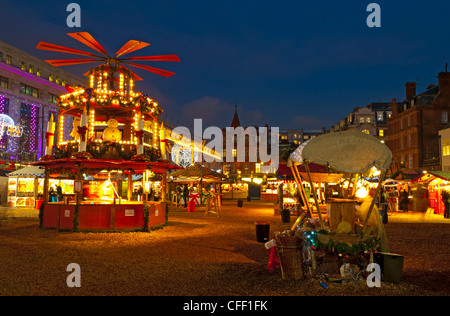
75, 218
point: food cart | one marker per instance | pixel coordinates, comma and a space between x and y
352, 229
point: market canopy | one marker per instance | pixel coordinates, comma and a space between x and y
348, 151
296, 155
319, 173
29, 171
431, 175
196, 173
108, 164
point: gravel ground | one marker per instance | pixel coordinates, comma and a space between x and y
196, 255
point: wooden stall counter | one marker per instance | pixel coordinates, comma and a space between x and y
107, 217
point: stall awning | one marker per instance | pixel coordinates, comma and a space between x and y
29, 171
98, 164
196, 173
431, 175
284, 170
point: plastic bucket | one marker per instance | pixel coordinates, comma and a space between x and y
262, 231
391, 266
285, 216
191, 206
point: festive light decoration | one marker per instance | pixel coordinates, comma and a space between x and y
110, 95
184, 157
7, 124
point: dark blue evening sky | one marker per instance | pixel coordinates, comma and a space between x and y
292, 64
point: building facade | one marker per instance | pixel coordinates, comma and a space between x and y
444, 141
413, 130
246, 168
29, 89
371, 119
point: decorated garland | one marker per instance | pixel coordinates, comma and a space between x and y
370, 244
146, 218
75, 218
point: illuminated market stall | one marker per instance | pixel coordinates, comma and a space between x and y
114, 151
202, 182
25, 185
438, 184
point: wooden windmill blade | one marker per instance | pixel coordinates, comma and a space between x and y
154, 58
88, 40
158, 71
68, 62
62, 49
131, 46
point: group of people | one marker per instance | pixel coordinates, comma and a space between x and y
388, 201
183, 191
55, 195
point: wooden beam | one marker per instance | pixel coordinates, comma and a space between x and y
306, 163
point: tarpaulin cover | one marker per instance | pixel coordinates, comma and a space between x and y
348, 151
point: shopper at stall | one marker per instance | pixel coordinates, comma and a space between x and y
59, 193
179, 194
51, 195
403, 200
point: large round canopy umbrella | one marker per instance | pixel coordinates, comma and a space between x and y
348, 151
390, 183
196, 173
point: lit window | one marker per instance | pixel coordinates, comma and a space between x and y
446, 147
24, 66
29, 90
258, 168
366, 131
381, 132
52, 98
3, 82
444, 117
234, 153
361, 120
39, 72
8, 59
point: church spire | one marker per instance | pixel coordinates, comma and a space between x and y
235, 122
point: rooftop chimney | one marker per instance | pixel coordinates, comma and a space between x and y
410, 90
444, 86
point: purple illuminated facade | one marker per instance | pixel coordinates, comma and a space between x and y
29, 88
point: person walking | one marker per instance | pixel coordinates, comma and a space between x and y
185, 194
383, 206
